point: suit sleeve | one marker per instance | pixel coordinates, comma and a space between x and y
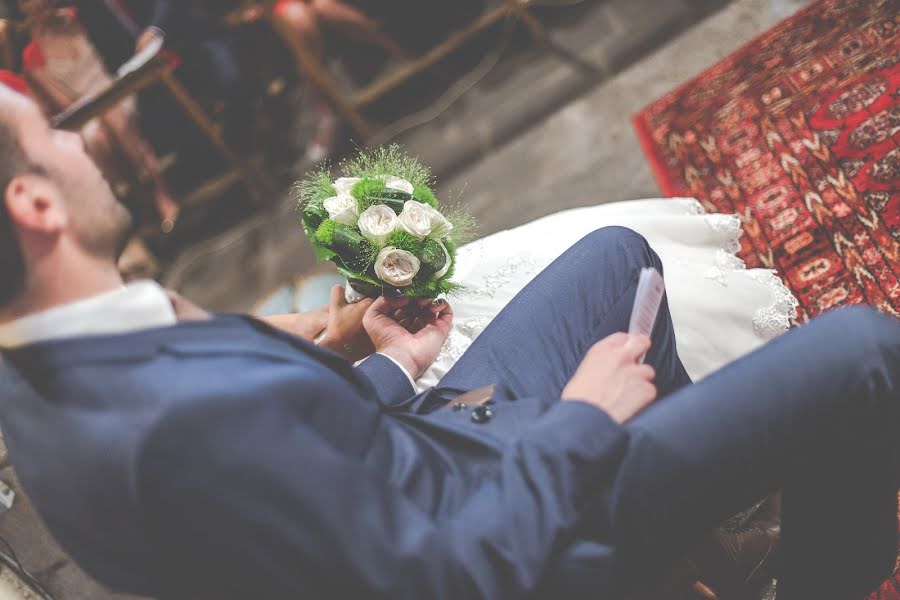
260, 505
390, 382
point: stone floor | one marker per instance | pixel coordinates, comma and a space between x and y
559, 113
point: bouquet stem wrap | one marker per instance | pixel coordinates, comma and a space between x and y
351, 295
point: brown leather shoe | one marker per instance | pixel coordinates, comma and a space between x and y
737, 563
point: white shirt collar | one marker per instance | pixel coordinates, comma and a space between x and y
136, 306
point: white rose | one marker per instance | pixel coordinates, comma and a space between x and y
396, 183
396, 267
343, 209
344, 185
440, 226
377, 223
416, 219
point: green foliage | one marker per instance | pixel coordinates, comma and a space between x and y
366, 189
390, 160
450, 288
464, 227
424, 194
424, 288
450, 271
312, 216
355, 251
432, 288
404, 241
432, 256
450, 245
351, 274
325, 232
315, 188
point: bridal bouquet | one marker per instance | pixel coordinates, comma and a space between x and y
381, 223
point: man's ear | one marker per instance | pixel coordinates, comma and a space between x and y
35, 205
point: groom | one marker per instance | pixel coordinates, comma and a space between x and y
218, 457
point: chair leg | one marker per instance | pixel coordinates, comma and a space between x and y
535, 28
258, 185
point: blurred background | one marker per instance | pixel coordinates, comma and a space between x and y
520, 107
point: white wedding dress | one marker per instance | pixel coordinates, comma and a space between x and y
720, 309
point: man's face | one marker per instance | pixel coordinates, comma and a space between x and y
94, 214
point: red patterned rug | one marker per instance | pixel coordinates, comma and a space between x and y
798, 132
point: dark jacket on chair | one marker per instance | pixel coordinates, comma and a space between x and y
225, 459
114, 25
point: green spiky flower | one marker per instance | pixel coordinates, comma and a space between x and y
366, 189
325, 232
315, 188
387, 161
404, 241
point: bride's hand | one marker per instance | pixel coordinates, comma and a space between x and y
344, 332
410, 332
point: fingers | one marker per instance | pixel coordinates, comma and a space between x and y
636, 346
337, 298
358, 308
438, 307
645, 372
319, 318
380, 307
444, 321
615, 340
413, 315
396, 302
647, 392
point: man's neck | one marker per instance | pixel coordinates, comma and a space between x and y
54, 284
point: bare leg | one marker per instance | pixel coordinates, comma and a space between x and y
355, 24
302, 19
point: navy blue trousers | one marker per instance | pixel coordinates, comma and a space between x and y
814, 413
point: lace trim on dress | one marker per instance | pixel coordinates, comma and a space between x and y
774, 320
769, 321
461, 337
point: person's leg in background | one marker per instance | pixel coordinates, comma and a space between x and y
814, 412
356, 25
301, 20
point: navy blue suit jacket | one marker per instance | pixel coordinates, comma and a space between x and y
225, 459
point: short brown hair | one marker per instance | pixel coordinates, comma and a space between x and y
13, 162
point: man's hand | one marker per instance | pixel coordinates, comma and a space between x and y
344, 331
309, 325
611, 378
410, 332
